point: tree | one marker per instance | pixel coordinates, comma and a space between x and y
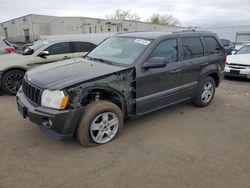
123, 15
166, 19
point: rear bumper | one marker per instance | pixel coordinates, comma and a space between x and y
58, 124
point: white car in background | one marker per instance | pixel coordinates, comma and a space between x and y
238, 65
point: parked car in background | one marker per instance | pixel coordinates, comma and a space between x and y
13, 66
242, 38
238, 65
127, 75
228, 45
6, 47
242, 44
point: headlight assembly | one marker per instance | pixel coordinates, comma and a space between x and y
54, 99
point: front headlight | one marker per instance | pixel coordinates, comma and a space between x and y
54, 99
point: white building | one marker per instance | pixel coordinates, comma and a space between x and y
30, 27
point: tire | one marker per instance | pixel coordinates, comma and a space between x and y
12, 80
96, 124
205, 96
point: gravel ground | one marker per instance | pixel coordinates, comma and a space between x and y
181, 146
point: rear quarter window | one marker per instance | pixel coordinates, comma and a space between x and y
213, 46
191, 47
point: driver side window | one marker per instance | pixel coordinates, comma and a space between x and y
167, 49
59, 48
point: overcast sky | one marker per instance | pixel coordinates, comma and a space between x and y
205, 13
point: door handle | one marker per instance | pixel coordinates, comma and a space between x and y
187, 68
175, 71
204, 64
66, 57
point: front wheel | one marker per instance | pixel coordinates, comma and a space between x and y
102, 121
205, 93
12, 81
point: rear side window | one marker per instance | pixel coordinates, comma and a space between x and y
167, 49
192, 47
212, 45
59, 48
83, 46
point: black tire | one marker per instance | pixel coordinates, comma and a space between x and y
12, 80
200, 101
91, 112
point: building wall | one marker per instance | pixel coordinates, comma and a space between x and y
30, 27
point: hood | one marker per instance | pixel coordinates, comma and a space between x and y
14, 59
239, 59
63, 74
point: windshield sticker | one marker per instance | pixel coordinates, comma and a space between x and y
45, 42
142, 41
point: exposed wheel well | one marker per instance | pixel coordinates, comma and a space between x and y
103, 94
215, 76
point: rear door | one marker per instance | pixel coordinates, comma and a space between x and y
158, 87
193, 59
215, 51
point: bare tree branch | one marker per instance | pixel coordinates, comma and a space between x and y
120, 14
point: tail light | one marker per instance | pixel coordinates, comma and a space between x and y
10, 50
225, 58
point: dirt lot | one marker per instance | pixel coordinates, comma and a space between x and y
182, 146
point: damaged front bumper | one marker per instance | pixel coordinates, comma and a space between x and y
58, 124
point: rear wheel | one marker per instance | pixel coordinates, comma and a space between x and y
102, 122
205, 94
12, 81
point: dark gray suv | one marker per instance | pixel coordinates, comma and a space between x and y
126, 76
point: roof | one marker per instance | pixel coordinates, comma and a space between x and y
154, 35
146, 35
92, 39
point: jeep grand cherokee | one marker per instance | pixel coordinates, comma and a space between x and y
125, 76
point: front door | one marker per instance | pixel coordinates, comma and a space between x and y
57, 51
159, 87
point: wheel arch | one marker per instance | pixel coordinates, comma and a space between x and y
105, 93
211, 71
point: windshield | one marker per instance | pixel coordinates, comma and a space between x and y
119, 50
244, 50
30, 49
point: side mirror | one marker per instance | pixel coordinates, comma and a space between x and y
233, 52
155, 62
43, 54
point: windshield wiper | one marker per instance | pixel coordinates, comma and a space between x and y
100, 59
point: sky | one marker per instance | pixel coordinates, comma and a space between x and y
201, 13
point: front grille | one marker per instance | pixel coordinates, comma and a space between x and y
242, 65
32, 92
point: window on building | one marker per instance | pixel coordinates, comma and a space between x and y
101, 29
95, 29
59, 48
192, 47
83, 46
109, 29
167, 49
212, 45
90, 30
